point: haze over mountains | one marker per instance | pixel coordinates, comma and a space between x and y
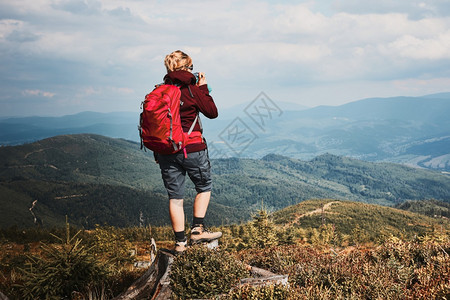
408, 130
415, 131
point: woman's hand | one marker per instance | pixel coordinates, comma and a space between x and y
201, 79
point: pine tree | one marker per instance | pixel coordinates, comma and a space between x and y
62, 269
265, 233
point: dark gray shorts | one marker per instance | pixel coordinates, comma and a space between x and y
174, 167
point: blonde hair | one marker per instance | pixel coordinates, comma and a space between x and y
177, 60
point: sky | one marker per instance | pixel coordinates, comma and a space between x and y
60, 57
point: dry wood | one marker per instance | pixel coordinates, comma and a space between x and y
148, 284
264, 277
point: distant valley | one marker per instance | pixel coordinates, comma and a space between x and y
409, 130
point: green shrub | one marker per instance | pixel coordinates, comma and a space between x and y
62, 271
395, 270
273, 292
201, 273
109, 243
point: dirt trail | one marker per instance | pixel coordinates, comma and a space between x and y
37, 151
313, 212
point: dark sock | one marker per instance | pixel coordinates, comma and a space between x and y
197, 221
179, 236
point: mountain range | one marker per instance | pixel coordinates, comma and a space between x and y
95, 179
410, 130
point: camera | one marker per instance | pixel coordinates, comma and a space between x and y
196, 74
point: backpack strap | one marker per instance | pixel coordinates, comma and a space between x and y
190, 92
175, 146
197, 118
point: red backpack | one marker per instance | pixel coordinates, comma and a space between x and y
160, 127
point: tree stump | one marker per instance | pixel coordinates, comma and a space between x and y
155, 283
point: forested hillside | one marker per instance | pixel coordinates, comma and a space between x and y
432, 208
99, 180
279, 181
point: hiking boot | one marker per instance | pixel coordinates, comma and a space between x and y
200, 234
180, 247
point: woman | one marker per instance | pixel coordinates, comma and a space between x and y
192, 160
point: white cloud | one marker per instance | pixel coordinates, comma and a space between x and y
415, 9
87, 91
107, 43
7, 26
86, 7
409, 46
299, 19
123, 90
38, 93
424, 86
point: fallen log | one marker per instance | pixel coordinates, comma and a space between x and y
154, 282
